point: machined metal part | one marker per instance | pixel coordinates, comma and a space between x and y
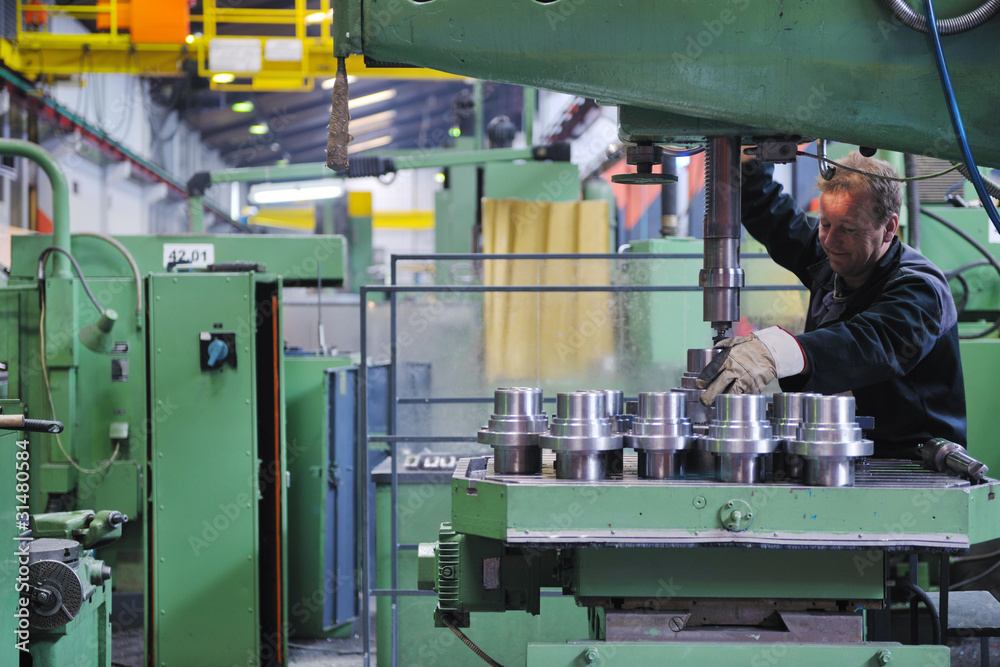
56, 594
739, 436
700, 416
829, 441
787, 412
721, 278
513, 430
581, 435
614, 400
945, 455
50, 548
660, 434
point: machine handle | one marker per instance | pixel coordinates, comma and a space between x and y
19, 423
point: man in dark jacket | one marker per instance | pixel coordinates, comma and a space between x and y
882, 323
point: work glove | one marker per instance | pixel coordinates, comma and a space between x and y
747, 363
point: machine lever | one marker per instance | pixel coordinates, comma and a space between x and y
19, 423
944, 455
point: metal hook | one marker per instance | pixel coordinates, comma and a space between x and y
826, 170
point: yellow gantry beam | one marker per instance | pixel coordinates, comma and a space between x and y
38, 52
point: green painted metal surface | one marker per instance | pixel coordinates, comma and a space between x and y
726, 573
917, 513
310, 583
295, 258
678, 654
9, 531
360, 249
980, 361
422, 508
455, 211
204, 466
843, 71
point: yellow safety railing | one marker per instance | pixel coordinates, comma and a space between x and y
301, 55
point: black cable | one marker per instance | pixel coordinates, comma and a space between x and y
970, 580
960, 307
964, 559
982, 249
919, 593
76, 267
468, 642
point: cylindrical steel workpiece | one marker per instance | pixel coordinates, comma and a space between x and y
581, 435
614, 401
739, 436
829, 441
787, 413
514, 429
660, 434
696, 461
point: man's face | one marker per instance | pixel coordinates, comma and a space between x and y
850, 237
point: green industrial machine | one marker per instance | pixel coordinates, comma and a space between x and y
176, 418
425, 493
693, 571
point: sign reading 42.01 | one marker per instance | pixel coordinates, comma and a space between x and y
188, 255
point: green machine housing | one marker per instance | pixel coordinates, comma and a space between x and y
189, 445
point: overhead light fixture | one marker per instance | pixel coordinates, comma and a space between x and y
259, 128
328, 83
371, 143
376, 121
268, 193
243, 107
319, 17
374, 98
223, 77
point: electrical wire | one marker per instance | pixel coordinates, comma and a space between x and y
956, 116
957, 275
972, 580
131, 262
898, 179
76, 267
468, 642
965, 559
52, 407
919, 593
983, 250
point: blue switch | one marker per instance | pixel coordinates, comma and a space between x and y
217, 352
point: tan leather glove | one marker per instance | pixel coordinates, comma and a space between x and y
747, 363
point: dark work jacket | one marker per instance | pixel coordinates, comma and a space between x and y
893, 342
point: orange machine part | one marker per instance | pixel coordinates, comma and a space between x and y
160, 21
124, 16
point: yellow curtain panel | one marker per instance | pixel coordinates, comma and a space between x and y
545, 334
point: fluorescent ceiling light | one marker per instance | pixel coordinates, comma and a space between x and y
371, 143
259, 128
376, 121
242, 107
374, 98
295, 192
223, 77
328, 83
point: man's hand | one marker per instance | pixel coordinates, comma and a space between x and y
747, 363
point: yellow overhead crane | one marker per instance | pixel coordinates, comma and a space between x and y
154, 38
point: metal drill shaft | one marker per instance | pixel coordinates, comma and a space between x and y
722, 277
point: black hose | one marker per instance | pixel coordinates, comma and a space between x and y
952, 26
991, 186
972, 580
960, 307
920, 594
982, 249
468, 642
912, 202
